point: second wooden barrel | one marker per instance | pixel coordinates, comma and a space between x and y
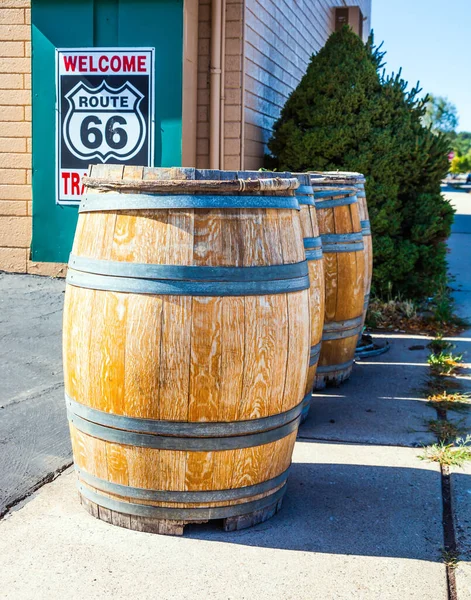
313, 249
344, 267
186, 343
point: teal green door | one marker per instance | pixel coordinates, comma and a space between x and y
97, 23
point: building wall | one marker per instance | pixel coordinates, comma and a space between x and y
233, 106
280, 37
15, 132
266, 54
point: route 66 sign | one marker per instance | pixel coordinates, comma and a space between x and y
105, 112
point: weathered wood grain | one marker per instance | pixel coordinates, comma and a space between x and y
185, 358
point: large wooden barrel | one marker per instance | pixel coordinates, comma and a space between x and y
313, 249
186, 344
343, 255
350, 178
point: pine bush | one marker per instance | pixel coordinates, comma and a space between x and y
347, 114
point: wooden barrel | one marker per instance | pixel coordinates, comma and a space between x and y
343, 256
313, 250
349, 178
186, 343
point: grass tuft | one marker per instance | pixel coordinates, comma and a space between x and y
439, 345
444, 363
449, 454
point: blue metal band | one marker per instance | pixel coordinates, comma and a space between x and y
187, 273
325, 370
313, 242
315, 254
181, 496
365, 227
180, 428
341, 238
334, 203
333, 193
112, 201
314, 354
172, 442
175, 287
342, 325
341, 335
181, 514
335, 248
306, 406
305, 195
304, 190
306, 201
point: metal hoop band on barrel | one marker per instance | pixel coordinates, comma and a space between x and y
314, 354
305, 195
338, 238
365, 227
187, 273
113, 201
203, 444
338, 330
313, 242
325, 370
187, 280
181, 428
181, 496
181, 514
313, 248
342, 242
321, 204
306, 406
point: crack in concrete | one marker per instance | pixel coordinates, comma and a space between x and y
49, 478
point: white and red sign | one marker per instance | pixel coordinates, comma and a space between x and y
105, 112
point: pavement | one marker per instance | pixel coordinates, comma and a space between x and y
362, 518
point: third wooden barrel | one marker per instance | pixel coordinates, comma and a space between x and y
350, 178
186, 343
344, 267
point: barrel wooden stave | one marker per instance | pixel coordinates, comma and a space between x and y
227, 358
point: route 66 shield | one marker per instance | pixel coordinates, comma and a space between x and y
104, 112
104, 122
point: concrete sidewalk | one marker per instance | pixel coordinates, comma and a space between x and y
362, 519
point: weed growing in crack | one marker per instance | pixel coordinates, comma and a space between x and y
444, 363
444, 400
437, 385
438, 345
449, 454
446, 431
450, 558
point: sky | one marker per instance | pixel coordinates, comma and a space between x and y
430, 40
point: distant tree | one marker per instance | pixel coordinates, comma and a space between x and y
440, 114
461, 164
461, 142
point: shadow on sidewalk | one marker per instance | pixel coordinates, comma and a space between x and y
352, 510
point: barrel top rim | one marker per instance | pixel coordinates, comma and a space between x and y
352, 176
98, 185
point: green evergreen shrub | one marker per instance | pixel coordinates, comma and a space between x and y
346, 114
